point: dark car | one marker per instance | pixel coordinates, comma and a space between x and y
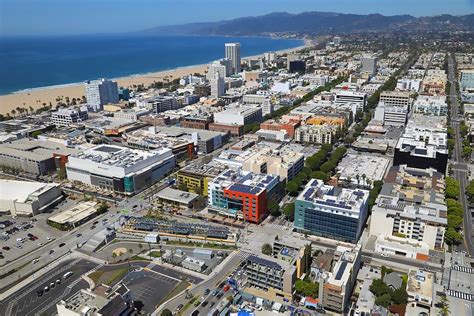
204, 304
40, 293
180, 306
195, 313
51, 251
219, 295
29, 235
78, 235
92, 227
95, 223
61, 245
207, 291
6, 248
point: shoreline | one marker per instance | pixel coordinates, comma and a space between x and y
39, 96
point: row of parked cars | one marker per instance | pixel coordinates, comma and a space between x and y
52, 285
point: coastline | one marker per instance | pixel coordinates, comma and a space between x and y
37, 97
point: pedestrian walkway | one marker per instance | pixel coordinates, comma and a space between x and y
463, 269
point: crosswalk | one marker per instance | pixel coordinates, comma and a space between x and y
463, 269
461, 295
277, 226
244, 255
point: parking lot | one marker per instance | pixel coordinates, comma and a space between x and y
149, 288
28, 301
23, 228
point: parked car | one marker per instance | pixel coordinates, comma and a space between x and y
61, 245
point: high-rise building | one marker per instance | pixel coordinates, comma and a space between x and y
217, 66
369, 65
232, 52
336, 40
217, 85
101, 92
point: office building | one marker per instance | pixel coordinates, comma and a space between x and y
395, 98
369, 65
101, 301
331, 212
22, 198
410, 206
467, 79
422, 148
270, 278
239, 116
120, 169
243, 195
217, 85
65, 117
298, 66
391, 115
101, 92
193, 264
347, 96
339, 283
232, 52
315, 134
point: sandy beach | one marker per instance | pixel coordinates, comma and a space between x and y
36, 97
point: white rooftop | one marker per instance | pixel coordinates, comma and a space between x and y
21, 191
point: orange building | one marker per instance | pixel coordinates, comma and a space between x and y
326, 120
287, 123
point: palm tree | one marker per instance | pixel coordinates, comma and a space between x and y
357, 177
13, 112
31, 109
445, 306
364, 177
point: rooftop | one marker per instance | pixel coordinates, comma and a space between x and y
421, 283
22, 191
177, 195
317, 192
75, 214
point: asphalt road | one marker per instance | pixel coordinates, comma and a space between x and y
26, 301
460, 168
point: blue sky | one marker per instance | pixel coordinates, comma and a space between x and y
53, 17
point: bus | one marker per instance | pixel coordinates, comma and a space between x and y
67, 274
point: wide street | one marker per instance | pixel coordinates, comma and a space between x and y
460, 169
26, 302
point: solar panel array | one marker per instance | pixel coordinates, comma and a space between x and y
174, 227
264, 262
244, 188
341, 270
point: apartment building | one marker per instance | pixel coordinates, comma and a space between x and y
411, 206
197, 176
270, 278
100, 92
331, 212
315, 134
340, 281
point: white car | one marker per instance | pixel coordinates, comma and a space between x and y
385, 255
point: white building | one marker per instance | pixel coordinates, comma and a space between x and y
467, 79
391, 115
431, 105
232, 52
281, 87
238, 116
131, 114
395, 98
217, 85
120, 169
216, 66
406, 84
346, 96
65, 117
101, 92
23, 198
362, 169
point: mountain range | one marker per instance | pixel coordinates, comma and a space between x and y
317, 23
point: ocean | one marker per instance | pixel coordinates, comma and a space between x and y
27, 63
